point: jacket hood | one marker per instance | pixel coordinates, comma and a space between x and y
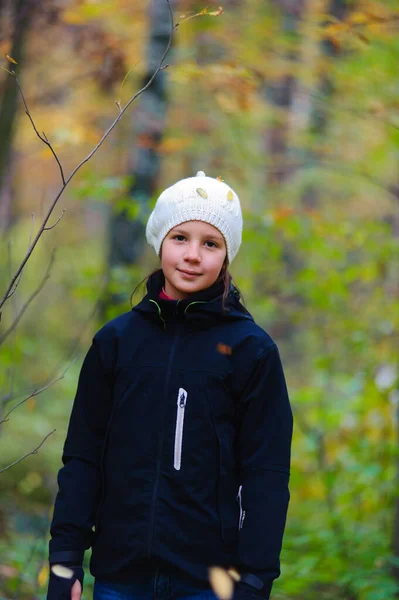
206, 305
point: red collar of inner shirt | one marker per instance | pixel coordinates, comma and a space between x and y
164, 295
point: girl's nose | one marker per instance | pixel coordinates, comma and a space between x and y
192, 253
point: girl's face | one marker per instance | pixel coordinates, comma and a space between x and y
192, 257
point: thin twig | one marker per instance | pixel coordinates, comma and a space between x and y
12, 292
57, 221
28, 453
43, 137
73, 346
85, 160
31, 229
30, 300
36, 393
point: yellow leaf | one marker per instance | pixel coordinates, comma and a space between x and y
43, 576
230, 195
358, 17
11, 60
216, 13
219, 178
334, 29
173, 145
377, 29
202, 193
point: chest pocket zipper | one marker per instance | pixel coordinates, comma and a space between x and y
181, 407
242, 512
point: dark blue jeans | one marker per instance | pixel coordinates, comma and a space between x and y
160, 583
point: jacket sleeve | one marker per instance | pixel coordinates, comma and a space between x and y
263, 453
79, 479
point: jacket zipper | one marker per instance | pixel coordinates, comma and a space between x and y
242, 512
181, 407
159, 449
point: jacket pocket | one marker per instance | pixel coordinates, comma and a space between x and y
181, 407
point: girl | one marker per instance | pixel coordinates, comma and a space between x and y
178, 448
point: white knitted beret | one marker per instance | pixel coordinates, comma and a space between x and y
198, 198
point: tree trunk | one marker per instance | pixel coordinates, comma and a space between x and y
292, 95
127, 235
22, 13
280, 95
318, 114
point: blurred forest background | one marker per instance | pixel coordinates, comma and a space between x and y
295, 103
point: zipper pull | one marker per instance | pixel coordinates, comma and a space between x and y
242, 512
182, 399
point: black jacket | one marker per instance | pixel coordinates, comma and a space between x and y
178, 445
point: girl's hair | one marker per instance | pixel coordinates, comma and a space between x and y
224, 276
142, 282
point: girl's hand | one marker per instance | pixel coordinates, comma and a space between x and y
76, 592
67, 585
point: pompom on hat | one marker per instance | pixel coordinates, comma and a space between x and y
198, 198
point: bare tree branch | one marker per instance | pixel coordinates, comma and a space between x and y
19, 278
72, 349
42, 137
29, 301
28, 453
9, 289
57, 221
35, 393
31, 229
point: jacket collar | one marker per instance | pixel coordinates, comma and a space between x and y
206, 305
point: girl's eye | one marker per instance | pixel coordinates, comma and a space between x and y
179, 238
211, 244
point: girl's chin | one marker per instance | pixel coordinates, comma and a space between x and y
186, 288
189, 289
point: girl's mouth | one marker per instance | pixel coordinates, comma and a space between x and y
190, 274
